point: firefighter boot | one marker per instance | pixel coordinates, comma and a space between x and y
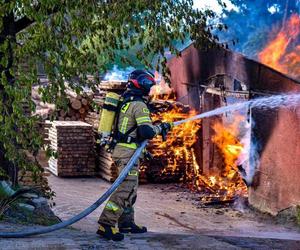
131, 227
110, 233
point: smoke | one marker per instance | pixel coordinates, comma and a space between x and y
117, 74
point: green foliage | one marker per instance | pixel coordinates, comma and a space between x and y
13, 199
3, 175
74, 38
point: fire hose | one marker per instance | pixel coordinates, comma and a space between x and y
269, 102
87, 211
118, 181
95, 205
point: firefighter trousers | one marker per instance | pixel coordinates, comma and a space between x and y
119, 208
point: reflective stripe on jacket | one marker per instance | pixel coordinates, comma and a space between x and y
135, 113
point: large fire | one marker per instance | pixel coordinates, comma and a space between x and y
225, 183
180, 141
283, 52
173, 156
226, 138
178, 152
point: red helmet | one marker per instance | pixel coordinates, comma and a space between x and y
141, 80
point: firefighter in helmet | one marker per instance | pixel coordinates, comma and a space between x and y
133, 125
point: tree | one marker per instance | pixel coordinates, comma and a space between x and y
66, 37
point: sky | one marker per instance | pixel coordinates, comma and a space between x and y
213, 4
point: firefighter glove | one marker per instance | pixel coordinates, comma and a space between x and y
148, 156
165, 128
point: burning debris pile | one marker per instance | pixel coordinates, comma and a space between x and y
171, 158
225, 183
176, 158
283, 52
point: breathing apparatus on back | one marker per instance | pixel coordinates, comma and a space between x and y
139, 85
107, 118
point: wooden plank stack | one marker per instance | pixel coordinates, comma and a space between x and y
105, 167
38, 181
112, 86
74, 143
92, 118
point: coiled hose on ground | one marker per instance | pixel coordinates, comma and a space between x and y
114, 186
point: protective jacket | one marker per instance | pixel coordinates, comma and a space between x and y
134, 123
133, 119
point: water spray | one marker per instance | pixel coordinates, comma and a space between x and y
262, 103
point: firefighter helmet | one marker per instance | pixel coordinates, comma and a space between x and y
141, 80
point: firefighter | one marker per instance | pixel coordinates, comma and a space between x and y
133, 125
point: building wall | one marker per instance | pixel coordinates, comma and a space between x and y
185, 75
276, 184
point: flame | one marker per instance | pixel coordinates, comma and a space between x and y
177, 153
234, 149
227, 183
226, 138
281, 53
178, 146
213, 180
161, 90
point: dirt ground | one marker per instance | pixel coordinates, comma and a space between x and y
173, 217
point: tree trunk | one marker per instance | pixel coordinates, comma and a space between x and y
8, 33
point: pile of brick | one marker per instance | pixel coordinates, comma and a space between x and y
74, 143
